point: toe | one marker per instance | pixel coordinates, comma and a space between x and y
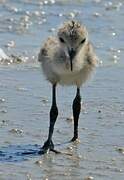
48, 146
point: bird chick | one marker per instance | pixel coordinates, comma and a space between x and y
67, 59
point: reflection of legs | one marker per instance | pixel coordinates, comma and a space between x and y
76, 112
48, 145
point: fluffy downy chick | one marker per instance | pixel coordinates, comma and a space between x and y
68, 58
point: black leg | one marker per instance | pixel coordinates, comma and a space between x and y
48, 145
76, 112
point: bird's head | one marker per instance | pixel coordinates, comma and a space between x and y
72, 37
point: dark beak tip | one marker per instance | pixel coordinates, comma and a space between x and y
72, 54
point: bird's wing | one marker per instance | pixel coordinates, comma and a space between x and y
92, 59
47, 50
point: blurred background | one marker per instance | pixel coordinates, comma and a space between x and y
24, 24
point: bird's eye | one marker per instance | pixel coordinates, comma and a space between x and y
83, 41
61, 40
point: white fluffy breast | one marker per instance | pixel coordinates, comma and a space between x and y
57, 69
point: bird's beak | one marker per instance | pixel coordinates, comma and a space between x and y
72, 54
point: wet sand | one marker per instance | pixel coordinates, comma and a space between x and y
25, 95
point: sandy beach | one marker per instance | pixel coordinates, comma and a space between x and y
25, 95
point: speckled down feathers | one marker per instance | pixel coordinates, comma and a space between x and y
56, 65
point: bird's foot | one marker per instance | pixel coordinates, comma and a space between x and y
75, 139
48, 146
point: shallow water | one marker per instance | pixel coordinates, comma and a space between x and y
25, 95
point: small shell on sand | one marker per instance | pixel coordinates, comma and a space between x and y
16, 131
96, 14
3, 123
89, 178
39, 162
3, 111
2, 100
10, 44
70, 118
120, 150
71, 14
44, 101
21, 89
